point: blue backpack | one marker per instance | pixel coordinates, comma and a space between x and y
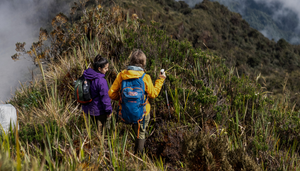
132, 105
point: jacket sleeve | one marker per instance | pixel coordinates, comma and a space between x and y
104, 98
114, 91
153, 90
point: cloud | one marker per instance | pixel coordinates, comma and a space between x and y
285, 13
282, 8
270, 33
227, 3
20, 22
191, 3
289, 4
295, 40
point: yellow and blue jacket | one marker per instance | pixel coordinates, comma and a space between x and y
152, 90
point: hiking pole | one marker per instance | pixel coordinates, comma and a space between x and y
167, 100
166, 91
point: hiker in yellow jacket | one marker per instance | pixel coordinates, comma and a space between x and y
136, 70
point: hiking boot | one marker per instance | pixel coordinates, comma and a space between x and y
139, 146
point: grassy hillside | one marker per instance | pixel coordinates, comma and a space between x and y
220, 120
212, 27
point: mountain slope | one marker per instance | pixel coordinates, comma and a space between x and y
270, 20
213, 27
269, 17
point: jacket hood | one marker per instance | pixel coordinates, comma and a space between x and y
130, 74
92, 74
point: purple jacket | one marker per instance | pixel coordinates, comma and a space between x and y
101, 103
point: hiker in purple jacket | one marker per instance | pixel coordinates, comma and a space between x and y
100, 108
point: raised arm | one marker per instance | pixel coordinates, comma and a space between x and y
153, 90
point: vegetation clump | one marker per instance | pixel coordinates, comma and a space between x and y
213, 153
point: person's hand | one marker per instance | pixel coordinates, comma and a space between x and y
109, 115
162, 75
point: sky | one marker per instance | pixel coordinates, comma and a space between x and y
20, 22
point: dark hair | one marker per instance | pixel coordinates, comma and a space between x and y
99, 62
138, 58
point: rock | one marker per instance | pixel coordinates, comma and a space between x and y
8, 114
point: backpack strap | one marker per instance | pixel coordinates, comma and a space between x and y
145, 100
139, 127
142, 77
144, 121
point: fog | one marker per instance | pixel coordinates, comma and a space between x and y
283, 8
20, 22
283, 12
192, 3
14, 29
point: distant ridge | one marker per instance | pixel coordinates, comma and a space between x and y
270, 18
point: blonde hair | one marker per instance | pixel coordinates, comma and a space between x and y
138, 58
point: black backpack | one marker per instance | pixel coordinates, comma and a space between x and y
82, 90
